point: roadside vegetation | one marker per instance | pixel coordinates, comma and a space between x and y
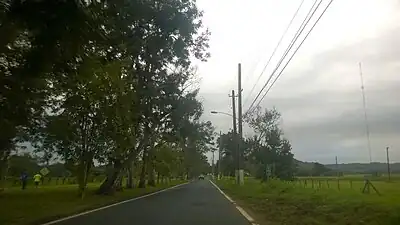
101, 91
280, 202
102, 88
50, 202
281, 190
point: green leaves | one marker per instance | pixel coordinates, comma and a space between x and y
90, 80
267, 148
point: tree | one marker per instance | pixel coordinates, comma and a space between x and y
272, 148
229, 153
40, 39
266, 149
170, 33
319, 169
90, 81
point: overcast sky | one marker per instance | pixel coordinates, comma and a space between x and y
319, 93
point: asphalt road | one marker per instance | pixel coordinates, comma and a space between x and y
196, 203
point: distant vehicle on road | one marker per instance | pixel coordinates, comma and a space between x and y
201, 177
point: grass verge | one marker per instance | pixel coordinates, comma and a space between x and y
36, 206
285, 203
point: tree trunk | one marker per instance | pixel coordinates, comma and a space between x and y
4, 155
81, 180
107, 187
142, 179
118, 185
3, 172
129, 182
151, 175
83, 174
151, 181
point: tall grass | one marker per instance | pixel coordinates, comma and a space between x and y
280, 202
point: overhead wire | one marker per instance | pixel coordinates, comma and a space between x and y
299, 31
273, 53
308, 33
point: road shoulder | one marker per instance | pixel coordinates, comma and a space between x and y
238, 205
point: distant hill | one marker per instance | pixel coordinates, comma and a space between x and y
365, 167
353, 167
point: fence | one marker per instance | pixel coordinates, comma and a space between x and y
348, 184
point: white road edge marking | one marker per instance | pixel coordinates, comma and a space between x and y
219, 189
240, 209
109, 206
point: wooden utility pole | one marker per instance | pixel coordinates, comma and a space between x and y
337, 167
212, 163
240, 123
388, 162
235, 136
219, 154
233, 112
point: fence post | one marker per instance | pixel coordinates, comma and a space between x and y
312, 183
351, 184
338, 184
305, 183
327, 183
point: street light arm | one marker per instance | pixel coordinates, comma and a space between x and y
227, 114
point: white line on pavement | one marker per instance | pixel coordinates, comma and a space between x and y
226, 196
240, 209
108, 206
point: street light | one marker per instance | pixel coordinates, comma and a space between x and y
216, 112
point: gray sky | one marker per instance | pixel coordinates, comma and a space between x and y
319, 93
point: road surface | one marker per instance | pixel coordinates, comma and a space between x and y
196, 203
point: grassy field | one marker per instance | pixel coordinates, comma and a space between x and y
354, 177
49, 202
384, 188
279, 202
15, 181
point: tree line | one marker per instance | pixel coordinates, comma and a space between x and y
104, 82
265, 154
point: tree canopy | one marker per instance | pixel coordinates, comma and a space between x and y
104, 82
266, 150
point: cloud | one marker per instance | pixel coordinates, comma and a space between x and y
319, 93
322, 107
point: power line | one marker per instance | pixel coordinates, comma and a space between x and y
330, 2
292, 42
273, 53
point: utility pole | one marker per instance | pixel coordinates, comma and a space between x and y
233, 111
219, 154
240, 123
388, 163
212, 164
337, 167
235, 132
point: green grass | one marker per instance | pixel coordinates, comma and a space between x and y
278, 202
354, 177
34, 206
383, 187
